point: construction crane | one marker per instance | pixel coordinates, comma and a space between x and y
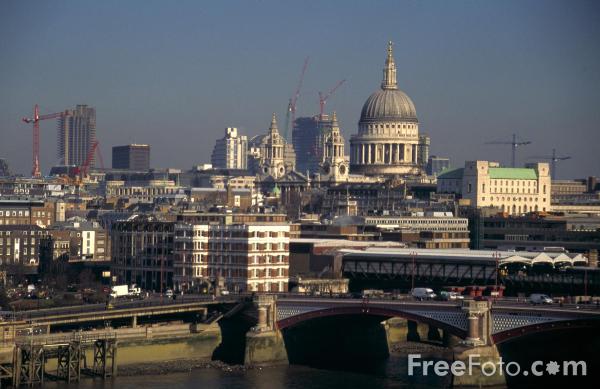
323, 99
35, 171
553, 160
514, 144
291, 111
82, 171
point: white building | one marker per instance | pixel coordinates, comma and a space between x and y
512, 190
249, 256
230, 152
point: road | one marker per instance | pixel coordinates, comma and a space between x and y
157, 300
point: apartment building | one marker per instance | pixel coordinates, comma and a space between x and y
20, 244
28, 211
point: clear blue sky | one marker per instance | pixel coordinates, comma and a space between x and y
174, 74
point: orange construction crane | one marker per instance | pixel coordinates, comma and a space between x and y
82, 171
35, 171
291, 111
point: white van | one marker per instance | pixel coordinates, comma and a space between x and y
423, 294
539, 298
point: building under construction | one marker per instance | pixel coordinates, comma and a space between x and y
76, 135
306, 139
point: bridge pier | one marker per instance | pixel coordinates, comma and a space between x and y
485, 362
69, 362
450, 340
479, 323
264, 342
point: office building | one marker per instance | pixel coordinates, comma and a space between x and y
246, 252
230, 152
131, 157
512, 190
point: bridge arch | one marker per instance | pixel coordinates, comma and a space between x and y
515, 333
371, 311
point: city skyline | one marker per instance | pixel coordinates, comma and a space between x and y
476, 73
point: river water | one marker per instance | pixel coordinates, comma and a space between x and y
391, 373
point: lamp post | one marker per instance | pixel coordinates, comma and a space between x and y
497, 258
414, 255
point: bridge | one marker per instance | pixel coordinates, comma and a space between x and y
476, 322
473, 325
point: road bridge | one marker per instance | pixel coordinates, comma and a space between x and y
476, 322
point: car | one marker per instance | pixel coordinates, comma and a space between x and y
423, 294
169, 293
447, 296
224, 293
539, 298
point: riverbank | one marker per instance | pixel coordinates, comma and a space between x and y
178, 366
186, 365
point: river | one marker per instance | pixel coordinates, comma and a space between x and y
391, 373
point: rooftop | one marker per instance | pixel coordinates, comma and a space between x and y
512, 173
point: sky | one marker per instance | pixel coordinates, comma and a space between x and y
175, 74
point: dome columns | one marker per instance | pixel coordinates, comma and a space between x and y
383, 153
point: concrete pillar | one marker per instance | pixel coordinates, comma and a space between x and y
262, 317
487, 373
473, 333
369, 153
134, 321
397, 152
264, 343
478, 322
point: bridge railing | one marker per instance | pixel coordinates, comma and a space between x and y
36, 314
56, 339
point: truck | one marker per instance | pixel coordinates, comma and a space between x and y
423, 294
117, 291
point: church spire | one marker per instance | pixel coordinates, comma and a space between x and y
273, 127
389, 71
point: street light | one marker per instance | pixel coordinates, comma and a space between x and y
414, 255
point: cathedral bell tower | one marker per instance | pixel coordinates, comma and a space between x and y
274, 161
334, 164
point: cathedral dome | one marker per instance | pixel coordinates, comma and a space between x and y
388, 105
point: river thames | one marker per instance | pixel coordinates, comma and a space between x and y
389, 374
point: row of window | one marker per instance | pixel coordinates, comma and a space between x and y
24, 240
531, 199
23, 213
